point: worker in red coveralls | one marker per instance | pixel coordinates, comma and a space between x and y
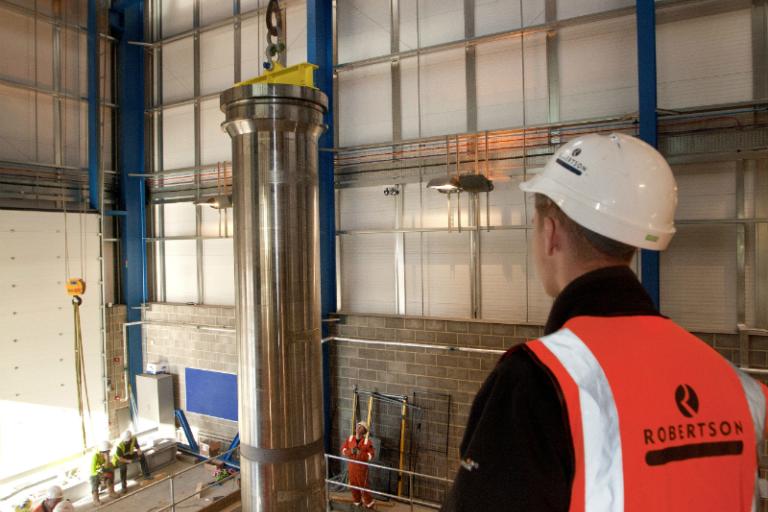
359, 447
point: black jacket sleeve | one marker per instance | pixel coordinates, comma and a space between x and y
516, 452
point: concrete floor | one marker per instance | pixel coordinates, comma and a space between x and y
154, 495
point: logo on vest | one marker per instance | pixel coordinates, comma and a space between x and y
700, 438
687, 400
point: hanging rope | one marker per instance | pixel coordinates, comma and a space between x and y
82, 384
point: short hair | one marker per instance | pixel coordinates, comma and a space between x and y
588, 244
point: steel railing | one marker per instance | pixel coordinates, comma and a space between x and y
172, 486
411, 475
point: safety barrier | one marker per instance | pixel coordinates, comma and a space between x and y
411, 475
166, 489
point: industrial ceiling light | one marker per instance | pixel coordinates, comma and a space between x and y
444, 184
475, 183
218, 202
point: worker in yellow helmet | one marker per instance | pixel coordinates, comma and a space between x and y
127, 451
102, 471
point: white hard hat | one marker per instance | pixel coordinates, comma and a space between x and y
363, 424
615, 185
54, 493
104, 446
127, 435
64, 506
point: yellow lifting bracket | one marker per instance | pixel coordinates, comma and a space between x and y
302, 75
75, 286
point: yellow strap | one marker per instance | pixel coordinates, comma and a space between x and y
82, 385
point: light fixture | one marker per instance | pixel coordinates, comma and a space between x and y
218, 202
475, 183
464, 183
444, 184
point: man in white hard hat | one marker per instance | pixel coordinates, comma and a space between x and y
358, 446
127, 451
102, 471
52, 498
616, 406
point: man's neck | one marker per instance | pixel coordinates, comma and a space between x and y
574, 270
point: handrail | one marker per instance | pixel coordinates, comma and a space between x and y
169, 478
411, 475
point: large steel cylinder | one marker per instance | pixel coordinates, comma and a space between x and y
274, 130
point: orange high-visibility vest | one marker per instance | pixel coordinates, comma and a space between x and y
659, 420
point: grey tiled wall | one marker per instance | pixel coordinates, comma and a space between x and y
183, 346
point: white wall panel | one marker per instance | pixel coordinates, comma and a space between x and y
365, 105
443, 94
368, 273
494, 16
365, 208
438, 265
363, 29
181, 271
178, 70
216, 222
439, 21
706, 191
573, 8
249, 5
27, 132
178, 137
74, 62
215, 144
500, 83
598, 69
177, 16
296, 32
507, 206
17, 61
503, 275
37, 375
179, 219
217, 64
705, 61
252, 42
408, 34
218, 272
409, 99
539, 303
75, 121
212, 11
698, 285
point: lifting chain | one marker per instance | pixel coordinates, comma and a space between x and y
275, 38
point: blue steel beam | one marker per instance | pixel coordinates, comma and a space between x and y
320, 52
93, 107
646, 75
127, 23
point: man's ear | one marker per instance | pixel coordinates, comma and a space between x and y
551, 233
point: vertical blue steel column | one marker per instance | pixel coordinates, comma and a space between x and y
320, 52
93, 107
127, 21
646, 75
